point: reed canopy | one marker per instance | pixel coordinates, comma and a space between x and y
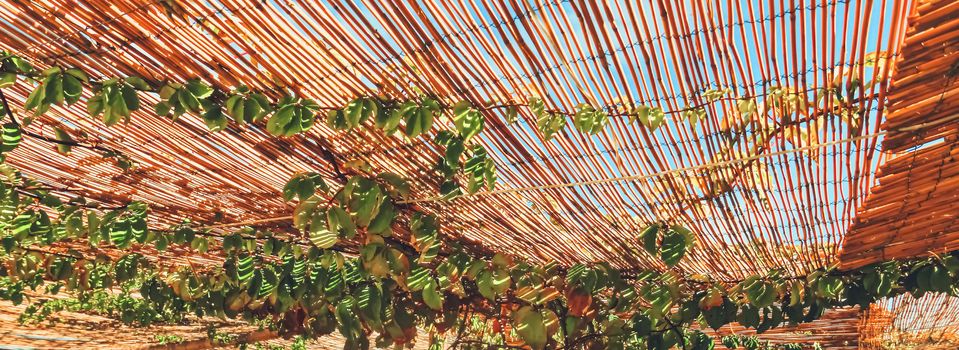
474, 174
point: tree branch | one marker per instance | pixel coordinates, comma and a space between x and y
6, 107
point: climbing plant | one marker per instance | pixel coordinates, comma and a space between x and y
358, 261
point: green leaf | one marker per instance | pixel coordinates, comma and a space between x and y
702, 341
418, 121
694, 115
336, 120
425, 236
18, 64
118, 106
7, 80
549, 124
36, 98
481, 170
309, 184
454, 148
537, 107
648, 238
339, 221
659, 298
303, 120
303, 214
719, 316
72, 88
246, 108
138, 227
641, 114
11, 137
277, 123
268, 283
512, 115
830, 287
96, 104
293, 117
484, 283
188, 101
397, 185
500, 281
130, 97
200, 244
198, 89
320, 235
370, 303
939, 279
365, 201
674, 247
879, 282
53, 86
530, 327
22, 223
244, 269
390, 121
62, 268
359, 111
419, 278
121, 234
137, 83
235, 108
432, 296
761, 293
748, 316
689, 310
382, 223
656, 118
467, 119
161, 108
746, 107
77, 74
731, 342
213, 117
589, 120
256, 107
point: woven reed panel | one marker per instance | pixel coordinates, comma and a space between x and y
924, 99
787, 209
904, 322
913, 211
836, 329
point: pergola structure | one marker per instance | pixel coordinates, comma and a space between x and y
846, 157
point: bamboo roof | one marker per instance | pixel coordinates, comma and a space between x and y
912, 212
792, 200
754, 205
930, 322
837, 329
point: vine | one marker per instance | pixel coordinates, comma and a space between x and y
363, 264
734, 342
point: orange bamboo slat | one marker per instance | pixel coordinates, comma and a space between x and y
930, 322
912, 210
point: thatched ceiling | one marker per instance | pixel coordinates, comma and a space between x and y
768, 189
782, 201
912, 211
